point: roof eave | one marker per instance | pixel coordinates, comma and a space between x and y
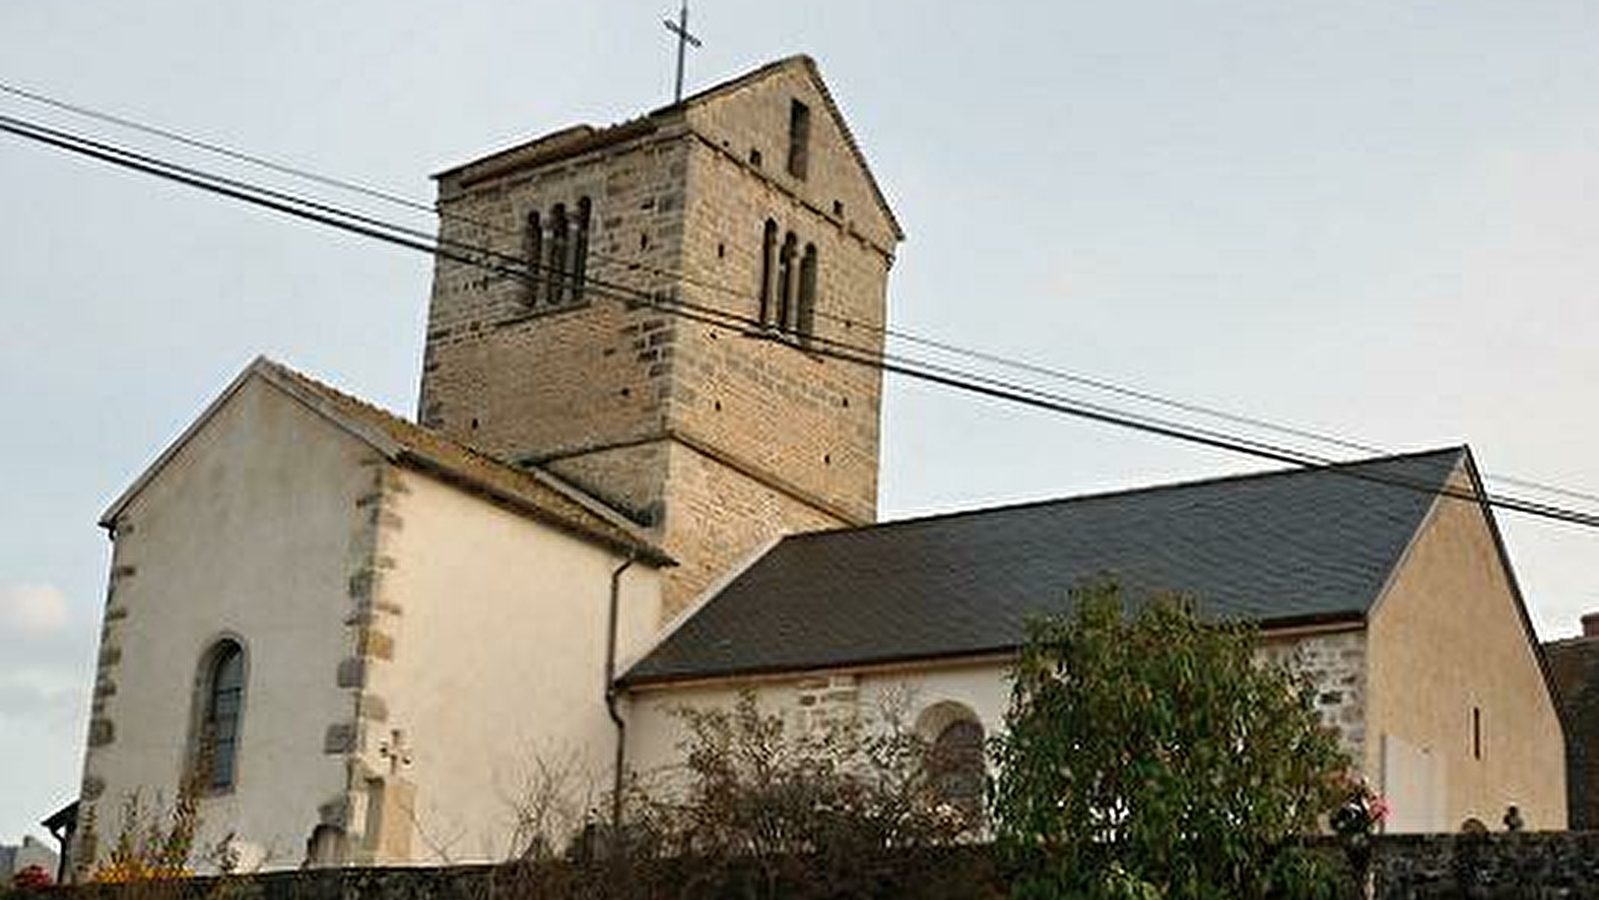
258, 367
1531, 633
1341, 620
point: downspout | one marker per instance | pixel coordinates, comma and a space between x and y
611, 693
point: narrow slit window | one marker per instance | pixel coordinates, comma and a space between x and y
1476, 732
799, 139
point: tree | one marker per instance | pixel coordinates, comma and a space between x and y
1154, 755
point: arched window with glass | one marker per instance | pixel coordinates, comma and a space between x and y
221, 709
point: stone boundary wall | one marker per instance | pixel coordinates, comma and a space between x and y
1528, 866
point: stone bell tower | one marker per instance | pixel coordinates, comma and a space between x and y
751, 198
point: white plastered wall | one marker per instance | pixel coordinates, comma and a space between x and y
244, 532
498, 662
656, 734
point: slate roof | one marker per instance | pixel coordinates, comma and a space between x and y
529, 491
1280, 548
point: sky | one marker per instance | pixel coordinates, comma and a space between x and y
1376, 218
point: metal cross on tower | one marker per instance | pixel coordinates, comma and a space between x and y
684, 38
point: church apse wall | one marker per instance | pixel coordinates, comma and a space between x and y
204, 560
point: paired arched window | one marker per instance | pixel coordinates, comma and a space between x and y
557, 252
221, 708
788, 283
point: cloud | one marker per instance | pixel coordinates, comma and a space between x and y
44, 648
33, 610
55, 708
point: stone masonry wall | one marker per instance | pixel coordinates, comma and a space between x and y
774, 403
1336, 664
1574, 667
102, 726
1531, 866
715, 436
538, 381
717, 517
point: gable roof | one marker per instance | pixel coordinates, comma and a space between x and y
1297, 547
529, 491
575, 140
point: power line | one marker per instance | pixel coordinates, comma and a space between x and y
213, 147
631, 265
318, 212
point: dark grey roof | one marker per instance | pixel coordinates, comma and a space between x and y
1304, 545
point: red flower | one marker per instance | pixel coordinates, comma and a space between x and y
31, 877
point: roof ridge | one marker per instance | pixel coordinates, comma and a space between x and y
388, 419
578, 134
318, 384
734, 82
1124, 492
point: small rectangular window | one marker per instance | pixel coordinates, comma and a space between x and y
1476, 732
799, 138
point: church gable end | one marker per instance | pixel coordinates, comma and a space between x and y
1460, 717
783, 124
246, 533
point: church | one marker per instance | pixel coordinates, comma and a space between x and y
357, 631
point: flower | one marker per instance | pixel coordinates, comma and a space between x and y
1361, 811
31, 877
